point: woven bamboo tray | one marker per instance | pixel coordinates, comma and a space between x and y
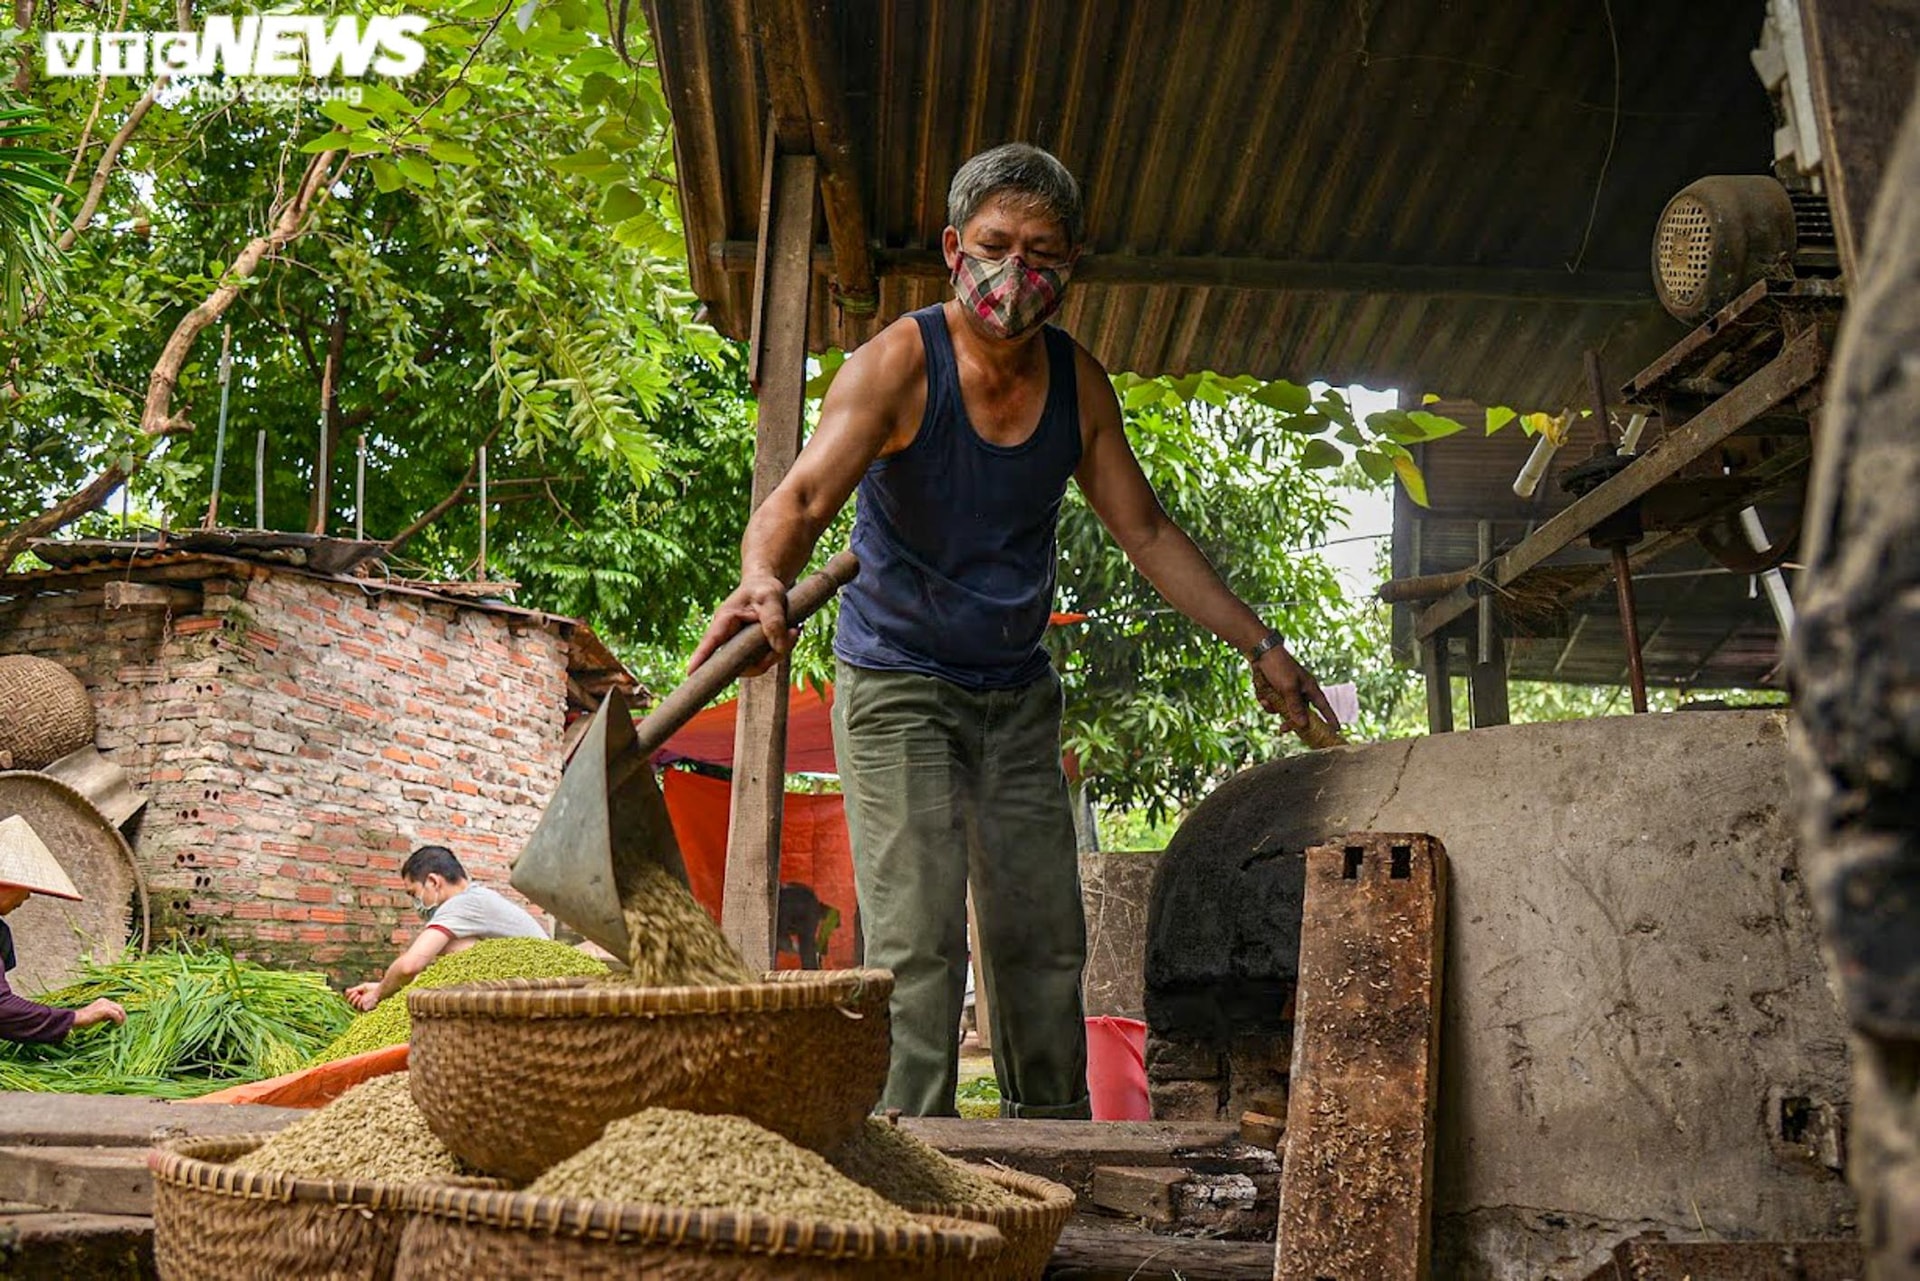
516, 1075
455, 1233
1031, 1228
212, 1222
49, 712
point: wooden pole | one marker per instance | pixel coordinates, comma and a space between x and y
750, 904
482, 574
1433, 661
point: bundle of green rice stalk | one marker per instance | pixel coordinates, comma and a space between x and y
663, 1156
372, 1133
387, 1023
197, 1021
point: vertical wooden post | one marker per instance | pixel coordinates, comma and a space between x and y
1433, 661
1356, 1186
982, 1008
1487, 686
778, 360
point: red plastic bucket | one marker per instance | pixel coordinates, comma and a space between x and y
1117, 1069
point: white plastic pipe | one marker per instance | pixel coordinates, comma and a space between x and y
1630, 440
1537, 463
1773, 580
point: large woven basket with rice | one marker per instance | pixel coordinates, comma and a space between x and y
454, 1232
213, 1222
1031, 1228
516, 1075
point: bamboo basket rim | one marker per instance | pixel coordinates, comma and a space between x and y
583, 996
1042, 1199
202, 1164
737, 1231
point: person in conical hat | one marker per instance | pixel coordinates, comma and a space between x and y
27, 867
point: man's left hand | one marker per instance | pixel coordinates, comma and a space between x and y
1286, 688
363, 996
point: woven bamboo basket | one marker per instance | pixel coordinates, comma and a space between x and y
212, 1222
454, 1233
1031, 1228
52, 715
516, 1075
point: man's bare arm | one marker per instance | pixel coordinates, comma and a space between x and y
421, 953
860, 419
1117, 490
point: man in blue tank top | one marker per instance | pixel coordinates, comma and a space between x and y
961, 425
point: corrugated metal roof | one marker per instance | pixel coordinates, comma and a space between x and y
1471, 138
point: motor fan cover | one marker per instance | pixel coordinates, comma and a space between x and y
1718, 236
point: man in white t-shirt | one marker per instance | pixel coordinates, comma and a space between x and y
459, 914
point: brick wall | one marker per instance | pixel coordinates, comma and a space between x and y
296, 737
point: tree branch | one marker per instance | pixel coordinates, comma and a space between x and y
446, 504
108, 159
156, 420
156, 417
23, 19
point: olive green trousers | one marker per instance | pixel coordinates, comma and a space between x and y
946, 785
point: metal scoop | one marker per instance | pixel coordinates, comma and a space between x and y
607, 817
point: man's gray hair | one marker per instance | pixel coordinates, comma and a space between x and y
1023, 171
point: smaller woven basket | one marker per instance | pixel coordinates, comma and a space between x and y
212, 1222
1031, 1228
517, 1075
49, 712
453, 1233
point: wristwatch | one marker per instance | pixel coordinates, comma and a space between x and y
1270, 641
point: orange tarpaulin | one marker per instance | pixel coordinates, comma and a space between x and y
708, 736
813, 851
315, 1086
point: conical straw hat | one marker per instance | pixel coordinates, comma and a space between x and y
25, 861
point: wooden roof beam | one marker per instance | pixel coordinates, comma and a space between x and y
1522, 284
808, 97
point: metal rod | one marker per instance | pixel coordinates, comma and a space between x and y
1597, 387
360, 490
321, 469
483, 514
220, 435
1483, 533
260, 480
1630, 627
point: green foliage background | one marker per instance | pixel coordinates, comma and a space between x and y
500, 261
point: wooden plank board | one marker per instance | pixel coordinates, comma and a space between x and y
1860, 57
90, 1180
1356, 1187
1069, 1151
37, 1246
89, 1120
1089, 1250
750, 901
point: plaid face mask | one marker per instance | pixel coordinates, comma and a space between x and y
1010, 297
